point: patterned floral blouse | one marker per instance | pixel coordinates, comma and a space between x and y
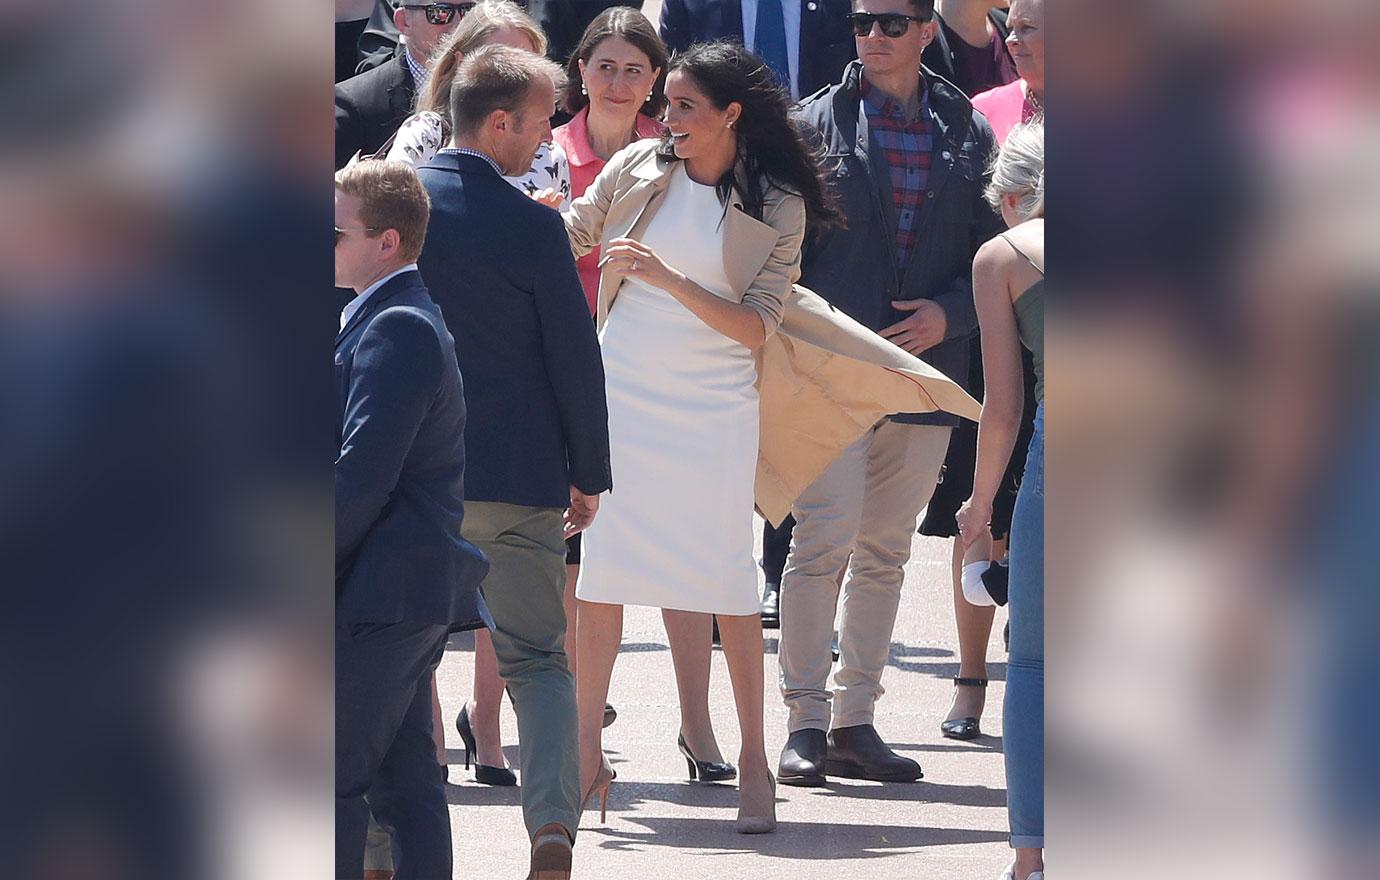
422, 135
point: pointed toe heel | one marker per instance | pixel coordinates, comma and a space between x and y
500, 776
759, 824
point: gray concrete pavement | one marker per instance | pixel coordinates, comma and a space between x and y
952, 824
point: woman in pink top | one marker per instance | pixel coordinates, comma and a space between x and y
1009, 105
615, 92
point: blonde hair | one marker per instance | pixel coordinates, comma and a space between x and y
1018, 170
391, 197
478, 25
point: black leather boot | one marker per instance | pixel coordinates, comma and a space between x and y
802, 760
858, 753
771, 606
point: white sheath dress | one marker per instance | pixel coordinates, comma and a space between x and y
676, 531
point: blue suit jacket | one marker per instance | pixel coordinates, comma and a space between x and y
499, 265
400, 474
826, 41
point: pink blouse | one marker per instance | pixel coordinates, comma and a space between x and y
1005, 107
585, 165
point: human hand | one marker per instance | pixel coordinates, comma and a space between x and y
580, 514
923, 330
548, 197
973, 522
633, 259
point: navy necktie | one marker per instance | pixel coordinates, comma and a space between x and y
771, 39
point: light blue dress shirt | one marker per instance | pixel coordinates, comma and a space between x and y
353, 306
791, 10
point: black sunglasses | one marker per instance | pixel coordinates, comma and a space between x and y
894, 24
340, 233
441, 13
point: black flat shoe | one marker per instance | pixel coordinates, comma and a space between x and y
610, 714
858, 752
771, 606
802, 760
967, 727
501, 776
705, 771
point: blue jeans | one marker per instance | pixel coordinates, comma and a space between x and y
1023, 724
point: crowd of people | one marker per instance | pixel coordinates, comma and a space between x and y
764, 261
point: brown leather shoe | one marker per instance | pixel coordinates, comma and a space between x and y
551, 853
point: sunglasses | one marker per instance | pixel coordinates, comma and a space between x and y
442, 13
894, 24
340, 233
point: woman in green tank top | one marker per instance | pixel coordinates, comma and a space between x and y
1008, 287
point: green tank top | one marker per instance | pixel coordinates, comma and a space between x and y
1030, 322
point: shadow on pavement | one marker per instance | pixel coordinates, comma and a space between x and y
983, 744
923, 791
642, 647
792, 840
995, 671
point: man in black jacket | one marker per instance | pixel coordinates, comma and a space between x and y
905, 152
370, 107
539, 441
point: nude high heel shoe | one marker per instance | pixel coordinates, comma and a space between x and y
600, 785
759, 824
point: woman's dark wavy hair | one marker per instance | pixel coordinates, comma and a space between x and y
631, 25
773, 149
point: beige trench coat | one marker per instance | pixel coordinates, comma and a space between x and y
823, 378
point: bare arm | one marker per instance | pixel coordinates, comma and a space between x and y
1003, 398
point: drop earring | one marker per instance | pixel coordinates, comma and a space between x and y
583, 90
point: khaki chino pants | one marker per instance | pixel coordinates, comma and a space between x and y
524, 590
863, 508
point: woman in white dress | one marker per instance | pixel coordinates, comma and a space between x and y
706, 227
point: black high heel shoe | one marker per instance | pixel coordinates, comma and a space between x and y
705, 771
965, 728
483, 774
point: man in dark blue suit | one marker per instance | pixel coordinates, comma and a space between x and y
807, 42
500, 266
404, 575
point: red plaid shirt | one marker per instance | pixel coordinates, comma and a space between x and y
909, 149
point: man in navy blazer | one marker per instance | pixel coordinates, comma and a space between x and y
404, 575
500, 267
815, 34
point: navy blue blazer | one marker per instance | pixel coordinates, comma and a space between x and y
826, 41
499, 265
400, 474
